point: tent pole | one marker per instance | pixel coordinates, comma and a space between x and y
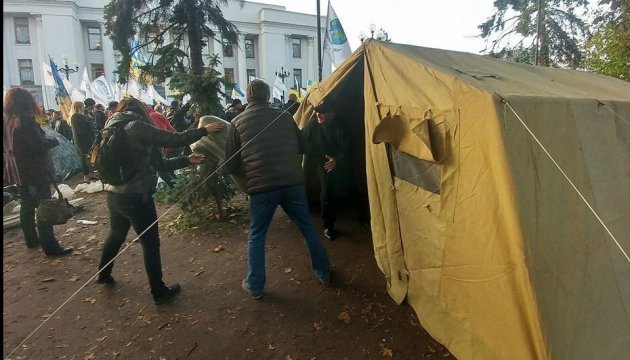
319, 44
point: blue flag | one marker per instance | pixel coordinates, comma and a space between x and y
237, 92
61, 94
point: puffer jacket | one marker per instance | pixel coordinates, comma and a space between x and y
272, 159
145, 141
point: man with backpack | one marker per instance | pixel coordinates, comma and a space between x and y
127, 159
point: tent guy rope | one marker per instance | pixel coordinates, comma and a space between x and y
568, 179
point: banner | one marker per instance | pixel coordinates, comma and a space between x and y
85, 84
101, 91
278, 89
335, 42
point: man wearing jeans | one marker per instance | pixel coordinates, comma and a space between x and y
266, 143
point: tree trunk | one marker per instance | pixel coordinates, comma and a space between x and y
194, 36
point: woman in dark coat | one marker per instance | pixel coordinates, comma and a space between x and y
29, 166
131, 204
83, 135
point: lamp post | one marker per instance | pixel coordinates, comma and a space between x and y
67, 69
282, 74
378, 34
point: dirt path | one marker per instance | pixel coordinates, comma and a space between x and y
213, 318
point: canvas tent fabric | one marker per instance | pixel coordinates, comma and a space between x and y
472, 222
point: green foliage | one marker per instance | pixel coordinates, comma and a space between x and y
552, 24
184, 23
201, 197
608, 50
204, 89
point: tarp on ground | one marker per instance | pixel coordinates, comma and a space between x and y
65, 156
473, 224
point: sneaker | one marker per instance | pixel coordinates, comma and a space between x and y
329, 233
105, 279
168, 294
326, 280
251, 293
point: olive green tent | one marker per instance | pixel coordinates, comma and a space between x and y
499, 197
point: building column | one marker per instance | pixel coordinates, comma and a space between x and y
109, 61
41, 55
241, 71
311, 61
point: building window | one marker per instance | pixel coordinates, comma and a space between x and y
97, 70
94, 37
249, 48
229, 75
22, 35
297, 78
297, 47
26, 72
251, 74
228, 49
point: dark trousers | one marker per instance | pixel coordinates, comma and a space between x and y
85, 165
327, 183
126, 210
30, 196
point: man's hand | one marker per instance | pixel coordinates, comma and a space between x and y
196, 159
330, 164
214, 127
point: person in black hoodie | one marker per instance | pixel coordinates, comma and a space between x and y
131, 204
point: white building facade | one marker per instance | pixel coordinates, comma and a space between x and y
271, 39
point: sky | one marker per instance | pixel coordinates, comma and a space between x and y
443, 24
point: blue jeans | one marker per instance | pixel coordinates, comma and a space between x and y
262, 207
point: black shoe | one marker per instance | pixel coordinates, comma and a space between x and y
32, 244
168, 294
329, 233
105, 279
60, 251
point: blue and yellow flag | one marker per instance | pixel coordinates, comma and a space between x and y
237, 93
61, 94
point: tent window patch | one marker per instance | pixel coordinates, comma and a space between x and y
422, 173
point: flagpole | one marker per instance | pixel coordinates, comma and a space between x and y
319, 43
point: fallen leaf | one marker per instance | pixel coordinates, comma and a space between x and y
345, 317
48, 279
387, 352
102, 338
218, 248
318, 325
90, 300
271, 347
199, 273
74, 278
89, 356
93, 237
288, 357
287, 270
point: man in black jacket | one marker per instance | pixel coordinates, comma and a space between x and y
328, 146
274, 177
292, 105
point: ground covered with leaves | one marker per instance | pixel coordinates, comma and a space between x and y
213, 318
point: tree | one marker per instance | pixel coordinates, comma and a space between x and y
548, 32
173, 34
608, 50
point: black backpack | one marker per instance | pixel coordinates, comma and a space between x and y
111, 155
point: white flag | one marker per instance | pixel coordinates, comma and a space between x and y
156, 95
278, 89
47, 74
335, 43
85, 84
101, 90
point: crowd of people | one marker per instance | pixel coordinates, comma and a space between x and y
158, 139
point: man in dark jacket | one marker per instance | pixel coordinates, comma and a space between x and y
99, 117
328, 145
176, 115
274, 177
60, 125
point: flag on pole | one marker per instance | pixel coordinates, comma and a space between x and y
237, 93
61, 94
85, 84
335, 42
47, 74
278, 89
